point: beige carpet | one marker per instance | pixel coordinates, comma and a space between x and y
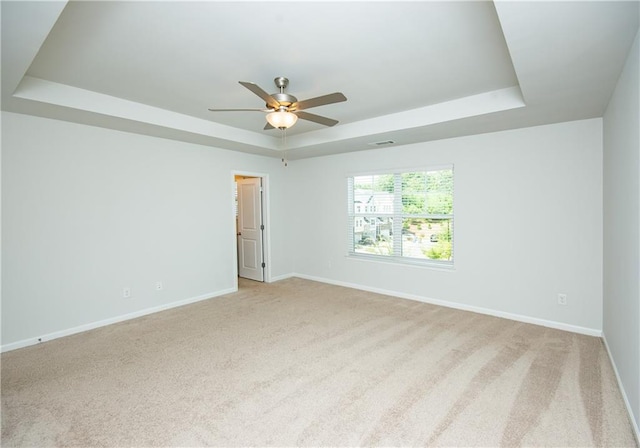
300, 363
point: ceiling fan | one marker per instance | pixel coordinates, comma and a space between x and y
284, 109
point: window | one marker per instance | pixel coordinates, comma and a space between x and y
402, 216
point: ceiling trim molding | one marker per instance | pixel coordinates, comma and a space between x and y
43, 91
470, 106
39, 90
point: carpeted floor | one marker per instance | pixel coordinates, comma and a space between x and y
300, 363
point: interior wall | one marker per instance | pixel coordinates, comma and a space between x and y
528, 223
622, 229
88, 211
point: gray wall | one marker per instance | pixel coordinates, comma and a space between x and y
621, 311
528, 223
87, 211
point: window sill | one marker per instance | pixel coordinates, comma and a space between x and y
447, 266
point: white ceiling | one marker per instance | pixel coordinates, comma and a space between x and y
412, 71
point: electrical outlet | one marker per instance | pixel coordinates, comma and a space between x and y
126, 292
158, 286
562, 299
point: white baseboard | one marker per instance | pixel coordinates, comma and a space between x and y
112, 320
280, 277
459, 306
634, 423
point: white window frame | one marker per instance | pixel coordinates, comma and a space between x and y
398, 217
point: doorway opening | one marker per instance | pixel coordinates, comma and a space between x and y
250, 225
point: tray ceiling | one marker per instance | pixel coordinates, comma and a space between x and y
412, 71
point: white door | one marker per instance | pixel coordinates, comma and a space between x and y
250, 261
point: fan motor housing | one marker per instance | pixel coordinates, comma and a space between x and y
284, 99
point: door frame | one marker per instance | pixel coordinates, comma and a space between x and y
266, 235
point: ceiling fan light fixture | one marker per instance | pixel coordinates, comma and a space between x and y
282, 119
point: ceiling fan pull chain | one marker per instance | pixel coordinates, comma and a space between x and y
284, 147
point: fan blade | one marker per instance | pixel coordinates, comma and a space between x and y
268, 127
319, 101
317, 118
271, 101
241, 110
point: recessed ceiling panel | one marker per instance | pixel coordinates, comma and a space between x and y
386, 57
